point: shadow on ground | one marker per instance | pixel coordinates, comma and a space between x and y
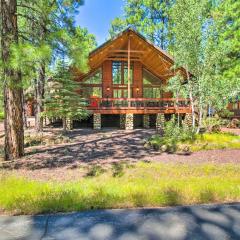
218, 222
89, 146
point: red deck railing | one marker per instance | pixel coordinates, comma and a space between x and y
138, 103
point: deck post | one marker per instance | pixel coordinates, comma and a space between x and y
146, 121
187, 122
129, 66
129, 121
160, 120
97, 123
122, 121
69, 124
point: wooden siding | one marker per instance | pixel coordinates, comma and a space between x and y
107, 90
137, 80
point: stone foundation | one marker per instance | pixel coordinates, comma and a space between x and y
146, 121
187, 122
97, 121
122, 121
69, 124
129, 121
160, 120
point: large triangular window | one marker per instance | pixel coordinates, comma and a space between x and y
94, 78
152, 85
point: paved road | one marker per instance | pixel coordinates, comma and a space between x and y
178, 223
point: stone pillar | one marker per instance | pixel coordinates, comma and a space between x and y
97, 121
69, 123
129, 121
187, 122
146, 121
46, 121
122, 121
160, 120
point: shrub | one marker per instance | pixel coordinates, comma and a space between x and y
173, 134
212, 124
235, 123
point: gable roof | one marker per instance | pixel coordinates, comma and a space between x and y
152, 57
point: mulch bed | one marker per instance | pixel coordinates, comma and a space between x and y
69, 161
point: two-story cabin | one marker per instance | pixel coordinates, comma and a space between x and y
126, 84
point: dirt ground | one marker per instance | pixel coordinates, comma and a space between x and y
69, 161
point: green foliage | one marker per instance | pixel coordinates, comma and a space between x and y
149, 17
228, 23
148, 184
201, 53
212, 124
62, 100
210, 141
173, 135
1, 115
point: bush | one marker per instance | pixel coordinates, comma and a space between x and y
235, 123
173, 134
212, 124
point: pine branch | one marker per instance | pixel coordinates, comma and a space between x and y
29, 7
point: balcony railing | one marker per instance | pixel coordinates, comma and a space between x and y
138, 103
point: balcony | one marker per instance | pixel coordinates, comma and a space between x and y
139, 105
236, 113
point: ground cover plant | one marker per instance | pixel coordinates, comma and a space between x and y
148, 184
206, 141
178, 138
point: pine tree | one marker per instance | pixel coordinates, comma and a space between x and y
62, 99
49, 24
149, 17
13, 93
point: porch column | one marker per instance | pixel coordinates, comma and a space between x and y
129, 121
160, 120
97, 121
187, 122
122, 121
146, 121
69, 123
46, 121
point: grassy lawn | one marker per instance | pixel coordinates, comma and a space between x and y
1, 115
123, 186
210, 141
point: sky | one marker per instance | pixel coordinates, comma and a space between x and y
96, 16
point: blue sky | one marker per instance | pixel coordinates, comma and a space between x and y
96, 16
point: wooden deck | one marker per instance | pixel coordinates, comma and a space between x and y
139, 105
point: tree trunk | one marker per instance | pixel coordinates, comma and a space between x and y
39, 94
191, 98
13, 93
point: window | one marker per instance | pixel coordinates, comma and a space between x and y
150, 79
120, 73
88, 92
120, 93
94, 78
151, 85
235, 106
116, 73
152, 92
126, 73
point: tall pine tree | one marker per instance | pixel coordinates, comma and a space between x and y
13, 93
62, 100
